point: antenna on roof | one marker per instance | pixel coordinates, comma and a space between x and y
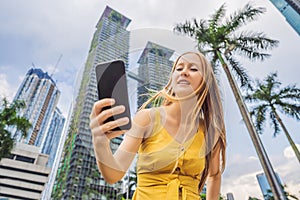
57, 62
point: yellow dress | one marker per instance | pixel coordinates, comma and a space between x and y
167, 169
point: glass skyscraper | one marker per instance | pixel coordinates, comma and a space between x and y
40, 94
290, 9
51, 141
154, 69
77, 175
264, 185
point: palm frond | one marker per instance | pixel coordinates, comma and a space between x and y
243, 16
290, 92
214, 62
254, 96
259, 115
256, 40
291, 110
250, 53
239, 71
185, 28
191, 28
251, 45
217, 17
274, 123
271, 82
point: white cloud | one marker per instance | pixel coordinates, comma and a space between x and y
66, 97
289, 152
252, 158
240, 175
6, 89
242, 187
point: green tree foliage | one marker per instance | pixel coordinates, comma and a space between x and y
9, 118
268, 98
219, 37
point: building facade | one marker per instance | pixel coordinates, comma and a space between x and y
229, 196
264, 185
154, 69
23, 176
77, 175
290, 9
54, 131
40, 94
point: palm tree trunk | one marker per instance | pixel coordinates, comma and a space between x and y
288, 136
263, 157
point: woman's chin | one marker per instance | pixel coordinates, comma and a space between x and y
182, 93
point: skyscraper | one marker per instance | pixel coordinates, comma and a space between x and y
51, 141
154, 68
41, 95
264, 185
78, 176
290, 9
230, 196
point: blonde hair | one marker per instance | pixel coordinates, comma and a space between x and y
208, 109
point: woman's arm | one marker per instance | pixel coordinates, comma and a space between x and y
114, 166
214, 175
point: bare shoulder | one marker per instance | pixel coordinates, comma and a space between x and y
144, 117
142, 125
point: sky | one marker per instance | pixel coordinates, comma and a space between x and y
36, 33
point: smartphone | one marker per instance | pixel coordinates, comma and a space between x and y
112, 83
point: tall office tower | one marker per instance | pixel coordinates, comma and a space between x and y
77, 176
264, 185
41, 95
290, 9
51, 141
154, 68
24, 174
230, 196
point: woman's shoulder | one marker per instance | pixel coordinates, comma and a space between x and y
143, 121
148, 117
144, 116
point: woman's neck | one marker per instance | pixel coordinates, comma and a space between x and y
182, 111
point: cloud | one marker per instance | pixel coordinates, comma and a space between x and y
240, 174
6, 89
242, 187
65, 98
289, 152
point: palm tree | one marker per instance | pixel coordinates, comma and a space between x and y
218, 39
269, 98
9, 118
289, 196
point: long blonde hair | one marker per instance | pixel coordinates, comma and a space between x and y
208, 109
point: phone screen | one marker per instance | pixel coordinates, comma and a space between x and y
112, 83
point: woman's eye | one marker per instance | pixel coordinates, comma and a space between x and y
194, 69
179, 69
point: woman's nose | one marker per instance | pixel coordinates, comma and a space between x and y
184, 72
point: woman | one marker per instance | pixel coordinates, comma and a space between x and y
180, 144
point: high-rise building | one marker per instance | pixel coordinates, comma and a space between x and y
40, 94
154, 69
230, 196
264, 185
24, 174
51, 141
77, 176
290, 9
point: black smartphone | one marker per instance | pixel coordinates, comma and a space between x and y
112, 83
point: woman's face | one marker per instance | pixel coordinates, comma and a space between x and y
187, 75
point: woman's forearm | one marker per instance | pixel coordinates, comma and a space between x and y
213, 187
114, 166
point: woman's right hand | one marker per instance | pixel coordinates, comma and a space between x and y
101, 130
